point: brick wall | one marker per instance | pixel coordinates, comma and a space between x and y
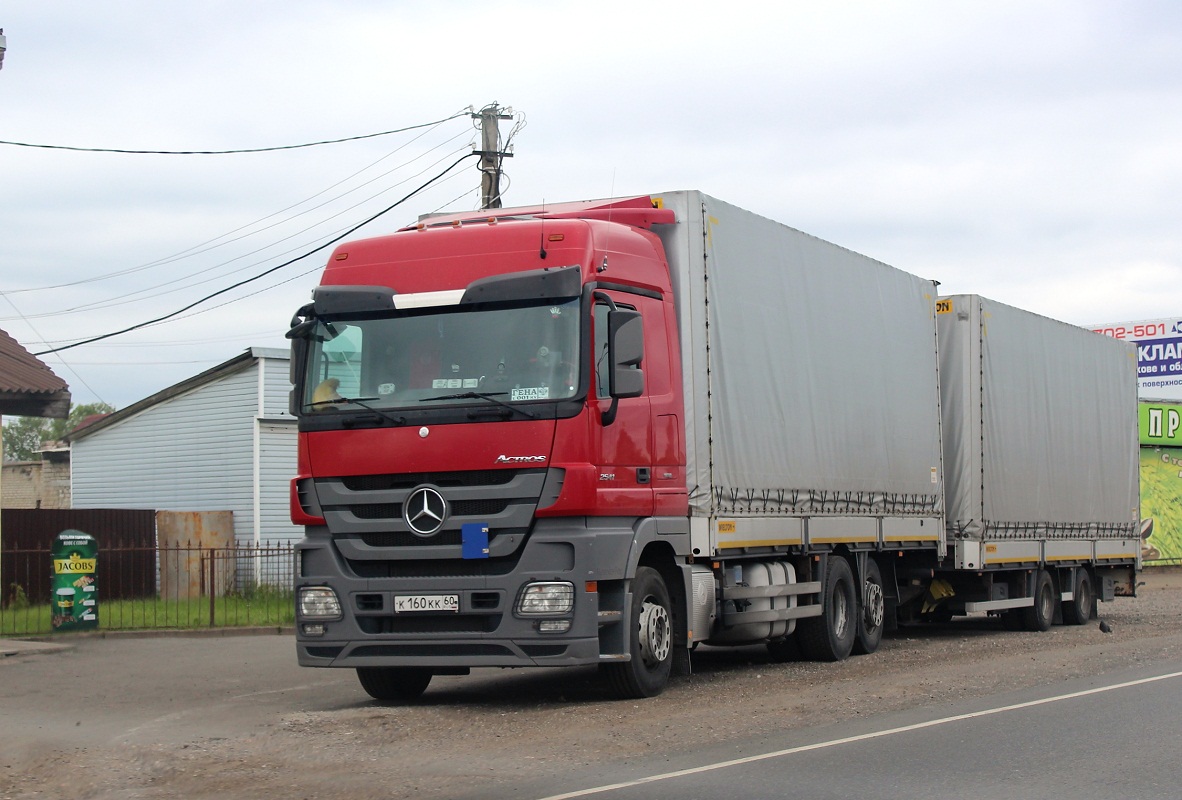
21, 484
37, 484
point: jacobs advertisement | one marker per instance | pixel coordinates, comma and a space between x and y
75, 594
1161, 481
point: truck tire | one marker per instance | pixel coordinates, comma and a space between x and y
1039, 616
394, 684
650, 642
830, 637
1083, 604
871, 611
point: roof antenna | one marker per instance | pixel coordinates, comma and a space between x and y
611, 207
542, 235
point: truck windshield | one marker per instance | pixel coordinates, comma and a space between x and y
442, 356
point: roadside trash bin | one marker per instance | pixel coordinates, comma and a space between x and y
75, 588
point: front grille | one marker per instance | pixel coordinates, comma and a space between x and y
399, 539
366, 513
427, 650
461, 508
451, 623
543, 650
478, 508
377, 511
409, 480
432, 568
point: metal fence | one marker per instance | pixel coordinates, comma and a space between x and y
167, 587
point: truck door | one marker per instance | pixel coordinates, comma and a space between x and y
624, 458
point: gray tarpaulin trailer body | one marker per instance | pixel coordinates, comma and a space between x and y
1040, 440
810, 381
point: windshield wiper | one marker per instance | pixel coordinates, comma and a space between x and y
489, 396
360, 401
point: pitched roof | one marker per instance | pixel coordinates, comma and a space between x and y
28, 388
235, 364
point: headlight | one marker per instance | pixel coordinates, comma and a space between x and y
319, 602
556, 597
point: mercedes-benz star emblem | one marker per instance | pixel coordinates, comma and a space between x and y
424, 511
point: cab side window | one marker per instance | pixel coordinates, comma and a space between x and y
602, 365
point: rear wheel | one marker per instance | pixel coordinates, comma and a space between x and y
394, 684
1083, 603
871, 611
1039, 616
650, 643
830, 637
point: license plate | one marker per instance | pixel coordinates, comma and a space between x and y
426, 602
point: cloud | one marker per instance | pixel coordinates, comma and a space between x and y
1022, 151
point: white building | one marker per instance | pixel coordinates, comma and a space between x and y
219, 441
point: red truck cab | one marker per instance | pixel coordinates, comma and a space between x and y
490, 412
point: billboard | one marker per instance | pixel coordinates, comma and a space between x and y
1159, 354
1161, 481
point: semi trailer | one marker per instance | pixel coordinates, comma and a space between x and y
606, 432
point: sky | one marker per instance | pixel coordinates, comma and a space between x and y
1027, 151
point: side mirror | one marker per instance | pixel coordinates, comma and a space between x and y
296, 371
625, 330
625, 351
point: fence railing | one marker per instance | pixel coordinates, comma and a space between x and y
167, 587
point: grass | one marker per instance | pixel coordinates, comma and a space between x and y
260, 608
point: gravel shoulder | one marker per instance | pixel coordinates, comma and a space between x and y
483, 734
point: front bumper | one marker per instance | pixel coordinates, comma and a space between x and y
486, 630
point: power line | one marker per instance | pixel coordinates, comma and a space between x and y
37, 333
224, 239
262, 274
231, 152
140, 295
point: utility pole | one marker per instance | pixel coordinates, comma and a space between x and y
491, 154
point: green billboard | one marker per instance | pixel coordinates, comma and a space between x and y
1160, 423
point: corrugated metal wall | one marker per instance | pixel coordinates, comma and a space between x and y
278, 459
196, 452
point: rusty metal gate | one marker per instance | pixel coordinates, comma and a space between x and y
127, 549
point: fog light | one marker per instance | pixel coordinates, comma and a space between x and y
319, 602
313, 629
557, 597
553, 625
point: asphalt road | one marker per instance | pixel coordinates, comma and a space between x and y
1079, 740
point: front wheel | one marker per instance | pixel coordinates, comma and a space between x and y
650, 642
394, 684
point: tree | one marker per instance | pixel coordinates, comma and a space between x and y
23, 436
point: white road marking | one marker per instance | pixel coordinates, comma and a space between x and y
851, 739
